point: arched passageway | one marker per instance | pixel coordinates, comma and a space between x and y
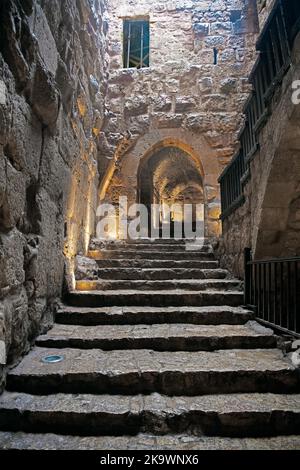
169, 177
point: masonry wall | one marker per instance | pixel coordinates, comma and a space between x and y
269, 221
183, 99
52, 87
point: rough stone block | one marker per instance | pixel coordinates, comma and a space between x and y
45, 96
14, 199
2, 93
201, 29
11, 260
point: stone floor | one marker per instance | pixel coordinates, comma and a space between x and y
157, 353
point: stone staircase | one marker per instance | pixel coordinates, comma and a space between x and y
156, 354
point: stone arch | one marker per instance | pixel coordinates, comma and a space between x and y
123, 175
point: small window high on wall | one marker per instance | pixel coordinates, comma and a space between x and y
136, 43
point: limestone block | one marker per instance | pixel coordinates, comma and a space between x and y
45, 96
228, 86
46, 42
11, 260
213, 210
170, 121
201, 29
184, 104
200, 122
65, 85
25, 139
136, 106
206, 84
16, 324
214, 102
3, 92
221, 28
162, 104
15, 196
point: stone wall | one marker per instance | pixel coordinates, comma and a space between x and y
52, 87
269, 221
183, 99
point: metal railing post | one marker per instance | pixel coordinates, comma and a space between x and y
247, 280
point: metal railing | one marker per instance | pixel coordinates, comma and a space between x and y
274, 59
231, 185
272, 290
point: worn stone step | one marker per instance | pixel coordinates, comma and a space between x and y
145, 285
152, 254
137, 247
161, 274
157, 264
168, 298
174, 337
152, 315
237, 415
97, 244
146, 371
185, 442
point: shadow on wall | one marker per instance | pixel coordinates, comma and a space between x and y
278, 230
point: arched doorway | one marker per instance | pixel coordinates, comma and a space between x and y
169, 177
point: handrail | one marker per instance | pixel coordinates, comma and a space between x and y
274, 59
272, 290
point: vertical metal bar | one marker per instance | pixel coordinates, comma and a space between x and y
142, 47
281, 294
264, 289
288, 296
248, 270
259, 290
254, 285
274, 45
275, 305
129, 45
271, 65
297, 306
269, 291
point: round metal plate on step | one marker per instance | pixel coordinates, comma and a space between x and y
52, 359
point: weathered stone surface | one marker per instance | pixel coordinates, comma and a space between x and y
152, 254
225, 415
91, 272
158, 337
155, 298
22, 441
144, 285
152, 315
142, 371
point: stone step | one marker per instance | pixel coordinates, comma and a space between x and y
152, 315
99, 244
176, 337
147, 442
152, 254
238, 415
161, 274
168, 298
145, 285
156, 264
146, 371
150, 247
